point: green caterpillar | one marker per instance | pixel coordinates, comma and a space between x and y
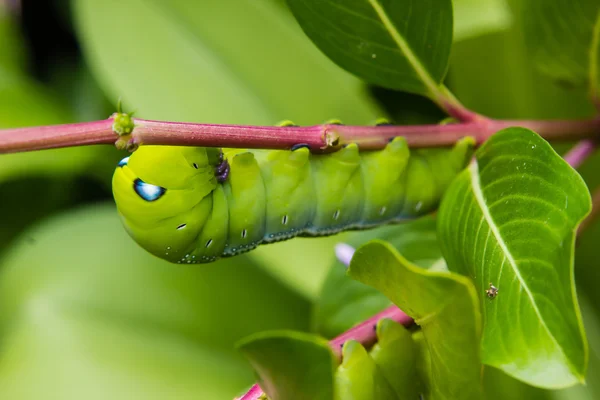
195, 204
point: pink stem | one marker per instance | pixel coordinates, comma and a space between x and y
578, 154
56, 136
319, 138
254, 393
365, 331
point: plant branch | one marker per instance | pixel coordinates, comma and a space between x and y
56, 136
319, 138
365, 332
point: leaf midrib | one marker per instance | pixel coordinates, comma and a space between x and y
480, 199
412, 59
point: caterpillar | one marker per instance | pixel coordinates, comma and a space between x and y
196, 204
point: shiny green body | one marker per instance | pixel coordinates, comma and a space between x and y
173, 205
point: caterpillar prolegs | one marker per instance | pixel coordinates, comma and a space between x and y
195, 204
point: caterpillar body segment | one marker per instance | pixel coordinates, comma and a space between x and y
194, 205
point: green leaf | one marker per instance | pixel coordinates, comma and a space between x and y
401, 44
480, 17
444, 305
344, 302
560, 35
86, 313
199, 61
395, 355
358, 377
291, 365
509, 220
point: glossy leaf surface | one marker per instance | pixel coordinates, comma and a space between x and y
398, 44
509, 221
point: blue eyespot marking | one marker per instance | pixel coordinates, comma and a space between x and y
147, 191
123, 162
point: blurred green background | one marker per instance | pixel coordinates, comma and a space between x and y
84, 312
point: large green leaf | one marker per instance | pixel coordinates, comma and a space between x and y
291, 365
509, 220
86, 313
398, 44
444, 305
560, 35
218, 61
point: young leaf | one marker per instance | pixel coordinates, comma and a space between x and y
402, 44
509, 221
291, 365
344, 302
395, 354
443, 304
359, 378
563, 37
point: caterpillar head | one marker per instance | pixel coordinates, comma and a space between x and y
163, 195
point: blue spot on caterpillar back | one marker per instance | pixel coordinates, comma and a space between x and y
195, 205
